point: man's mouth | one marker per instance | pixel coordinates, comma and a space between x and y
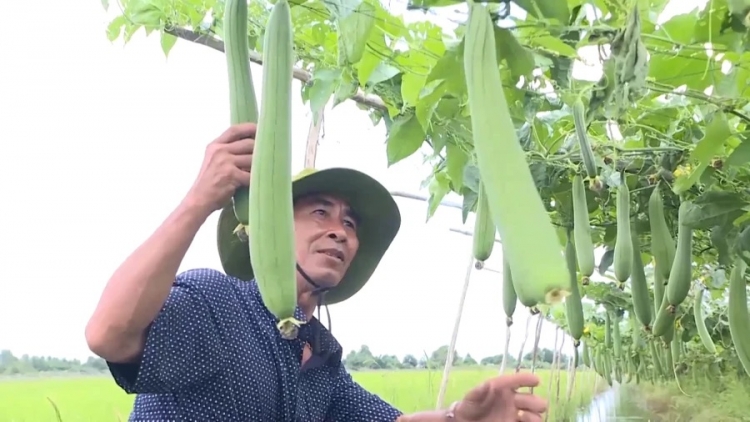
334, 253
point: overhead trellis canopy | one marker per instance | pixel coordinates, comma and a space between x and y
681, 116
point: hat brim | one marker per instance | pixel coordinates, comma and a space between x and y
379, 223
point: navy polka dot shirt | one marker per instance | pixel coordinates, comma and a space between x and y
214, 354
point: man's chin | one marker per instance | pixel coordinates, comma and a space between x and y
326, 279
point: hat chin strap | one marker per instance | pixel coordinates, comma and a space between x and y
320, 292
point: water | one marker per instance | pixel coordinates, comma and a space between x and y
603, 407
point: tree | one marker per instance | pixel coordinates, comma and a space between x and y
409, 361
440, 355
12, 365
493, 360
469, 361
542, 355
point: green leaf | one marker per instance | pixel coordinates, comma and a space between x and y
720, 240
382, 72
520, 59
714, 208
740, 155
471, 177
455, 161
366, 67
321, 87
404, 139
439, 187
679, 29
717, 132
342, 9
105, 4
429, 4
686, 68
550, 9
114, 29
710, 26
355, 30
734, 84
144, 13
450, 69
411, 87
429, 101
345, 89
469, 203
167, 42
554, 45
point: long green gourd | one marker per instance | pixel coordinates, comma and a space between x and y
662, 243
623, 256
243, 107
271, 219
484, 228
540, 274
700, 322
737, 312
509, 293
573, 304
681, 273
642, 304
582, 230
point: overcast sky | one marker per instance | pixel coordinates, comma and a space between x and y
99, 142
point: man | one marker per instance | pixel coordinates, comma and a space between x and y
201, 346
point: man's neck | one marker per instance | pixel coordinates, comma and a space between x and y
307, 301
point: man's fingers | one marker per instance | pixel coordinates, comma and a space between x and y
530, 403
237, 132
479, 395
242, 177
525, 416
243, 162
515, 381
241, 147
502, 382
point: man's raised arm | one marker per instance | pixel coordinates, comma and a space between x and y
137, 291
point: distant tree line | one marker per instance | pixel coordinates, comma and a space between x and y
363, 359
11, 365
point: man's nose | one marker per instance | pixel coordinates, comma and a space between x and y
337, 233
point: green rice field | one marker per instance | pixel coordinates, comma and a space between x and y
89, 399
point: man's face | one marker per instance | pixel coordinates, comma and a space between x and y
325, 231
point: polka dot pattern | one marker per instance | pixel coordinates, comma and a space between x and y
214, 354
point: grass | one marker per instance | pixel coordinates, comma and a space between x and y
722, 399
98, 399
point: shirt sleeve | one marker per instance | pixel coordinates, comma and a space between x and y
352, 403
184, 345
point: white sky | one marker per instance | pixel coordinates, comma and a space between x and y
98, 143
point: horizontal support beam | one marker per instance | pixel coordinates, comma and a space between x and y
423, 198
300, 74
468, 233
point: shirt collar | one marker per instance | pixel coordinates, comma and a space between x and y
330, 350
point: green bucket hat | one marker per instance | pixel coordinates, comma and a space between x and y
376, 208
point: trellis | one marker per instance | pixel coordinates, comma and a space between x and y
560, 334
314, 135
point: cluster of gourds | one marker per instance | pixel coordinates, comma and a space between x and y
265, 210
535, 269
672, 280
